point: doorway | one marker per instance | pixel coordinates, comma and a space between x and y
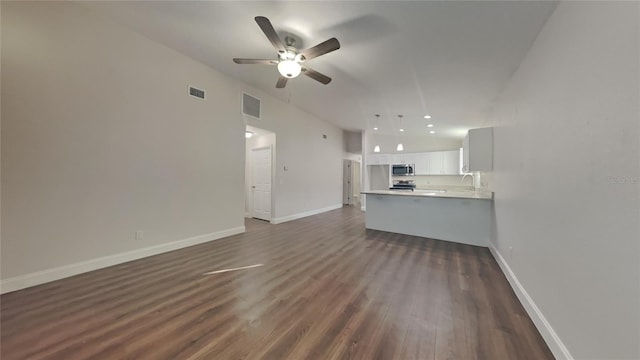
259, 163
261, 187
351, 182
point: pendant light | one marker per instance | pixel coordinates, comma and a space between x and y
376, 149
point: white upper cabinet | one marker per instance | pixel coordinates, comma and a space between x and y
410, 158
426, 163
378, 159
435, 163
422, 163
478, 150
451, 162
384, 159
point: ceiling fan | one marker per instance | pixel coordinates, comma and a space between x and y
291, 61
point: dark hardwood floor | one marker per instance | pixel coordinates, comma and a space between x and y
328, 289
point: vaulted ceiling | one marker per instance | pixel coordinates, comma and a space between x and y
448, 59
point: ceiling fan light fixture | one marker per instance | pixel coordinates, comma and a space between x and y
289, 68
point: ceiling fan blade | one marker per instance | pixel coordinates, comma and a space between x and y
255, 61
316, 75
282, 82
270, 32
321, 49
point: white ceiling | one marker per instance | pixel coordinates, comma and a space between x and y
449, 59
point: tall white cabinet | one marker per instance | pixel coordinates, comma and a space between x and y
477, 150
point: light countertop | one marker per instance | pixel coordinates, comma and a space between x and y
480, 195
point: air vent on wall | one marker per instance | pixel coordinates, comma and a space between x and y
196, 92
250, 106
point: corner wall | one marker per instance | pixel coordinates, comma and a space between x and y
100, 139
312, 181
566, 180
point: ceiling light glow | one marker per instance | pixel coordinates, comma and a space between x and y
432, 131
376, 148
289, 68
429, 125
427, 116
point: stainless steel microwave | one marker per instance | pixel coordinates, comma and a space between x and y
402, 169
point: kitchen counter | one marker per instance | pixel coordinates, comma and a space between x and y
481, 195
458, 216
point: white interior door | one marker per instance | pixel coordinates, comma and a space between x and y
261, 188
347, 182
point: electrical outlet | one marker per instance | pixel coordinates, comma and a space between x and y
139, 235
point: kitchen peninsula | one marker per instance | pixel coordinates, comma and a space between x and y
458, 216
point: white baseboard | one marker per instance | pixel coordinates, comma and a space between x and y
552, 339
304, 214
44, 276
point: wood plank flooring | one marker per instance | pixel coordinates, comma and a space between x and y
328, 289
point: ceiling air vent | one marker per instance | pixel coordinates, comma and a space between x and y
196, 92
250, 106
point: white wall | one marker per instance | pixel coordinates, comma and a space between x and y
567, 179
100, 139
352, 142
313, 179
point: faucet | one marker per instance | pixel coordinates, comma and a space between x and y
472, 178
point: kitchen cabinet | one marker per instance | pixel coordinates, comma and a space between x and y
378, 159
435, 163
397, 159
477, 150
422, 163
426, 163
451, 162
403, 158
462, 220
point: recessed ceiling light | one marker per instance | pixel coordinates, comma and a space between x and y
427, 116
429, 125
375, 128
401, 129
432, 131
